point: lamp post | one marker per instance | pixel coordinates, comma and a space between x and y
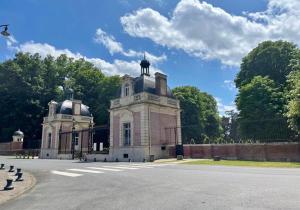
90, 141
5, 30
59, 139
73, 138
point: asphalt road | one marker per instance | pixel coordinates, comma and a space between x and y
154, 187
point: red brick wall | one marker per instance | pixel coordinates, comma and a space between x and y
9, 147
116, 132
137, 128
270, 152
158, 132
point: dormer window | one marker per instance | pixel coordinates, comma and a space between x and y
126, 90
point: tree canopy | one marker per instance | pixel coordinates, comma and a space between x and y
199, 117
263, 88
29, 82
270, 59
293, 96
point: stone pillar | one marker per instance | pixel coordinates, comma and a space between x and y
178, 125
145, 125
111, 129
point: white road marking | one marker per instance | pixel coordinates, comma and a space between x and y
137, 166
104, 169
66, 173
85, 170
121, 167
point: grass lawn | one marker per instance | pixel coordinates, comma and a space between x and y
246, 163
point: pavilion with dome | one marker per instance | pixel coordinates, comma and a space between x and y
145, 118
66, 117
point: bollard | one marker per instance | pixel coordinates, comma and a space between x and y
18, 171
19, 178
11, 169
2, 166
9, 185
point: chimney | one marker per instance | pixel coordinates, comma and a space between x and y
161, 84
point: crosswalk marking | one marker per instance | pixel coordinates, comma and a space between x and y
121, 167
86, 170
105, 169
66, 173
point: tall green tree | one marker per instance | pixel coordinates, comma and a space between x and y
270, 59
29, 82
293, 97
261, 110
199, 118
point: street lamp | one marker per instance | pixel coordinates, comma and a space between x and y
5, 32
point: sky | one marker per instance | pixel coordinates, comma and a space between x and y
194, 42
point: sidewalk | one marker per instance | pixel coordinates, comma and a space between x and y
19, 187
174, 160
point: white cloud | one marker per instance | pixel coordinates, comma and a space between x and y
108, 41
229, 84
11, 42
114, 47
209, 32
120, 67
222, 108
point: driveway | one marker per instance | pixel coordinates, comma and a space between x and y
66, 184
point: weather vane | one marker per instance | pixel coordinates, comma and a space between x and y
5, 32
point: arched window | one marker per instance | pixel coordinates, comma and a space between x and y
126, 90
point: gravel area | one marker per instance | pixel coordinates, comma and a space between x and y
19, 187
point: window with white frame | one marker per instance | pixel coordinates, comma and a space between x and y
126, 134
126, 90
49, 140
76, 139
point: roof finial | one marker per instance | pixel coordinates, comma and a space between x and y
145, 66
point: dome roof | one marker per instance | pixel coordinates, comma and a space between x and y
19, 133
145, 63
147, 84
66, 107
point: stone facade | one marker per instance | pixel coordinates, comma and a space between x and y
61, 119
147, 115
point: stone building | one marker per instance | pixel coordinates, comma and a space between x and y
59, 136
145, 119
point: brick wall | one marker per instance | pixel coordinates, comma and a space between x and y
10, 147
262, 152
116, 134
137, 128
159, 122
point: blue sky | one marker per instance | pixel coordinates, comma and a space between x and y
194, 42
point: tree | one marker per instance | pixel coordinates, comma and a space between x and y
199, 118
230, 125
270, 59
261, 110
293, 95
29, 82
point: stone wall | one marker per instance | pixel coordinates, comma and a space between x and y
260, 152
